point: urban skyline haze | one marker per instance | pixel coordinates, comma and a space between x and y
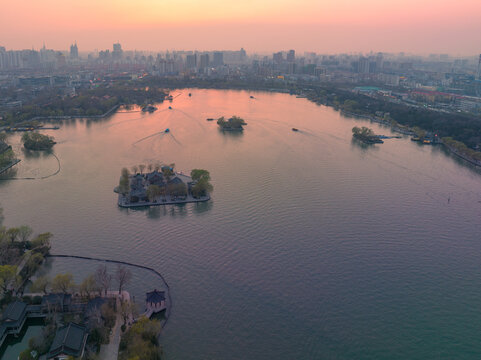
429, 26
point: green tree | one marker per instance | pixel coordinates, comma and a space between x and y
63, 283
41, 243
37, 141
124, 183
201, 188
32, 264
198, 174
26, 355
125, 172
24, 232
8, 274
202, 184
12, 234
40, 284
88, 286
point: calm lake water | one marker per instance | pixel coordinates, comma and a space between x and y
313, 246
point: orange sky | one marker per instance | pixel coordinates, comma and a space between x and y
445, 26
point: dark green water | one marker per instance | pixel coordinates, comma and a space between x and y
313, 247
13, 346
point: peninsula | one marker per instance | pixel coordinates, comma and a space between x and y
162, 186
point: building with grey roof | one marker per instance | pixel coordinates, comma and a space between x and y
69, 341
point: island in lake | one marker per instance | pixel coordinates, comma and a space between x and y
235, 123
366, 135
37, 141
162, 186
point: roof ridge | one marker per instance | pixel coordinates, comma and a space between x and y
66, 334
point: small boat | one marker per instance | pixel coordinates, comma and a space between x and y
167, 130
252, 97
210, 119
294, 129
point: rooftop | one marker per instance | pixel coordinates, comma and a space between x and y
69, 340
155, 296
14, 311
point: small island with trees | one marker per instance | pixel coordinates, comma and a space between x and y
161, 185
235, 123
366, 135
37, 141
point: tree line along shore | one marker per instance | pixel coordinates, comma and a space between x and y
464, 129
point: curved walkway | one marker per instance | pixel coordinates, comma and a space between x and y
110, 351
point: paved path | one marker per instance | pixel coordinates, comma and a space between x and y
110, 351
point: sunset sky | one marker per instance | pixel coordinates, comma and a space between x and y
326, 26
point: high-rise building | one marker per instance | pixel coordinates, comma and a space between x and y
478, 75
74, 51
291, 56
379, 61
218, 58
191, 61
242, 54
363, 65
277, 57
117, 51
204, 61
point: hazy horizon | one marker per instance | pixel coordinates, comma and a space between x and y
346, 26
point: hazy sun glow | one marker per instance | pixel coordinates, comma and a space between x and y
262, 25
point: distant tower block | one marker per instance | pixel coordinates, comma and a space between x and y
479, 68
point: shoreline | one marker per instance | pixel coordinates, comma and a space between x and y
462, 156
190, 199
66, 117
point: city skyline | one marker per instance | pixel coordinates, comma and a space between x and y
262, 27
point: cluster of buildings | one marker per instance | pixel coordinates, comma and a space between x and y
70, 339
70, 70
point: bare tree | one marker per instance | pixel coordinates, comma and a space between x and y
123, 276
103, 278
142, 168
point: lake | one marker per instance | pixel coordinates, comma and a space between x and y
312, 247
